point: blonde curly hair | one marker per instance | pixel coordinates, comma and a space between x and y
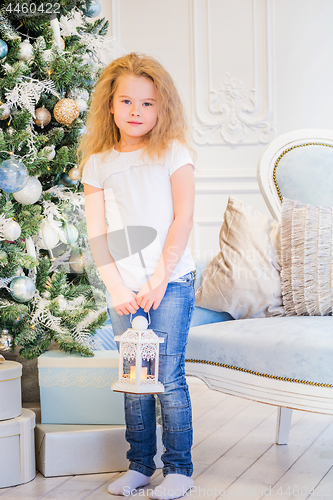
102, 133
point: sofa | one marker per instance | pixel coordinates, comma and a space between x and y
284, 360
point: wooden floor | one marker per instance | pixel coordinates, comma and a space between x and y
234, 456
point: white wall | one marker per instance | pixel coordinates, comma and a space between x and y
247, 70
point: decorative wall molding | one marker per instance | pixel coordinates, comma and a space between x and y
227, 110
231, 182
115, 19
226, 174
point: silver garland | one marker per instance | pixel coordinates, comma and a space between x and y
6, 29
27, 93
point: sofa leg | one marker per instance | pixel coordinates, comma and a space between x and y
283, 425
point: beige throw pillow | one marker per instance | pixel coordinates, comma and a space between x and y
244, 277
307, 259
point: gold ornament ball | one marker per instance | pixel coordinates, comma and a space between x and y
77, 262
43, 117
62, 43
66, 111
74, 174
4, 111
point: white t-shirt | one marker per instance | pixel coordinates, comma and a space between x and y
139, 209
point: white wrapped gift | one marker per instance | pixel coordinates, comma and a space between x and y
77, 390
10, 389
63, 450
17, 450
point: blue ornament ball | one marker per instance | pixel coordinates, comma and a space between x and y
93, 8
13, 175
66, 180
22, 289
3, 49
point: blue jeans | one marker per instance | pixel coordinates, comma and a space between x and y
171, 320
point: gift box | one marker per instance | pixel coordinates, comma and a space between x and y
77, 390
10, 389
63, 450
17, 450
104, 338
35, 407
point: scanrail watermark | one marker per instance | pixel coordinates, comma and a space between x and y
235, 492
194, 491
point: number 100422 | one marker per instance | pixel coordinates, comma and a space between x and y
32, 9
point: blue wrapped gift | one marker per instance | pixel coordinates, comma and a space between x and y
77, 390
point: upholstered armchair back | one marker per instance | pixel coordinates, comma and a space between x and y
299, 167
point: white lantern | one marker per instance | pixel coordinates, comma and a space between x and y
139, 359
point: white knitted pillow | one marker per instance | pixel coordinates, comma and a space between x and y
307, 267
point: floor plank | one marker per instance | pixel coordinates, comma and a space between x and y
324, 490
307, 472
34, 489
268, 469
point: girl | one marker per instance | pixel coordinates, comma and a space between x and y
138, 175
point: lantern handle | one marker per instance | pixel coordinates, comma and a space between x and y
149, 320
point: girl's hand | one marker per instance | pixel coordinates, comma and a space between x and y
123, 300
152, 293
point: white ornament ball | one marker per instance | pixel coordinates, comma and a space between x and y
11, 230
83, 94
26, 51
30, 193
49, 152
139, 323
22, 288
31, 250
79, 94
48, 237
74, 174
4, 111
81, 104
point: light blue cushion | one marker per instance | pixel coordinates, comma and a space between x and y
298, 348
202, 316
306, 174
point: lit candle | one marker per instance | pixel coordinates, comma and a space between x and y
143, 374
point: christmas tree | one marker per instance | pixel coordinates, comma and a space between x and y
49, 62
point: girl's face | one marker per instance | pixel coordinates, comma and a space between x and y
134, 106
